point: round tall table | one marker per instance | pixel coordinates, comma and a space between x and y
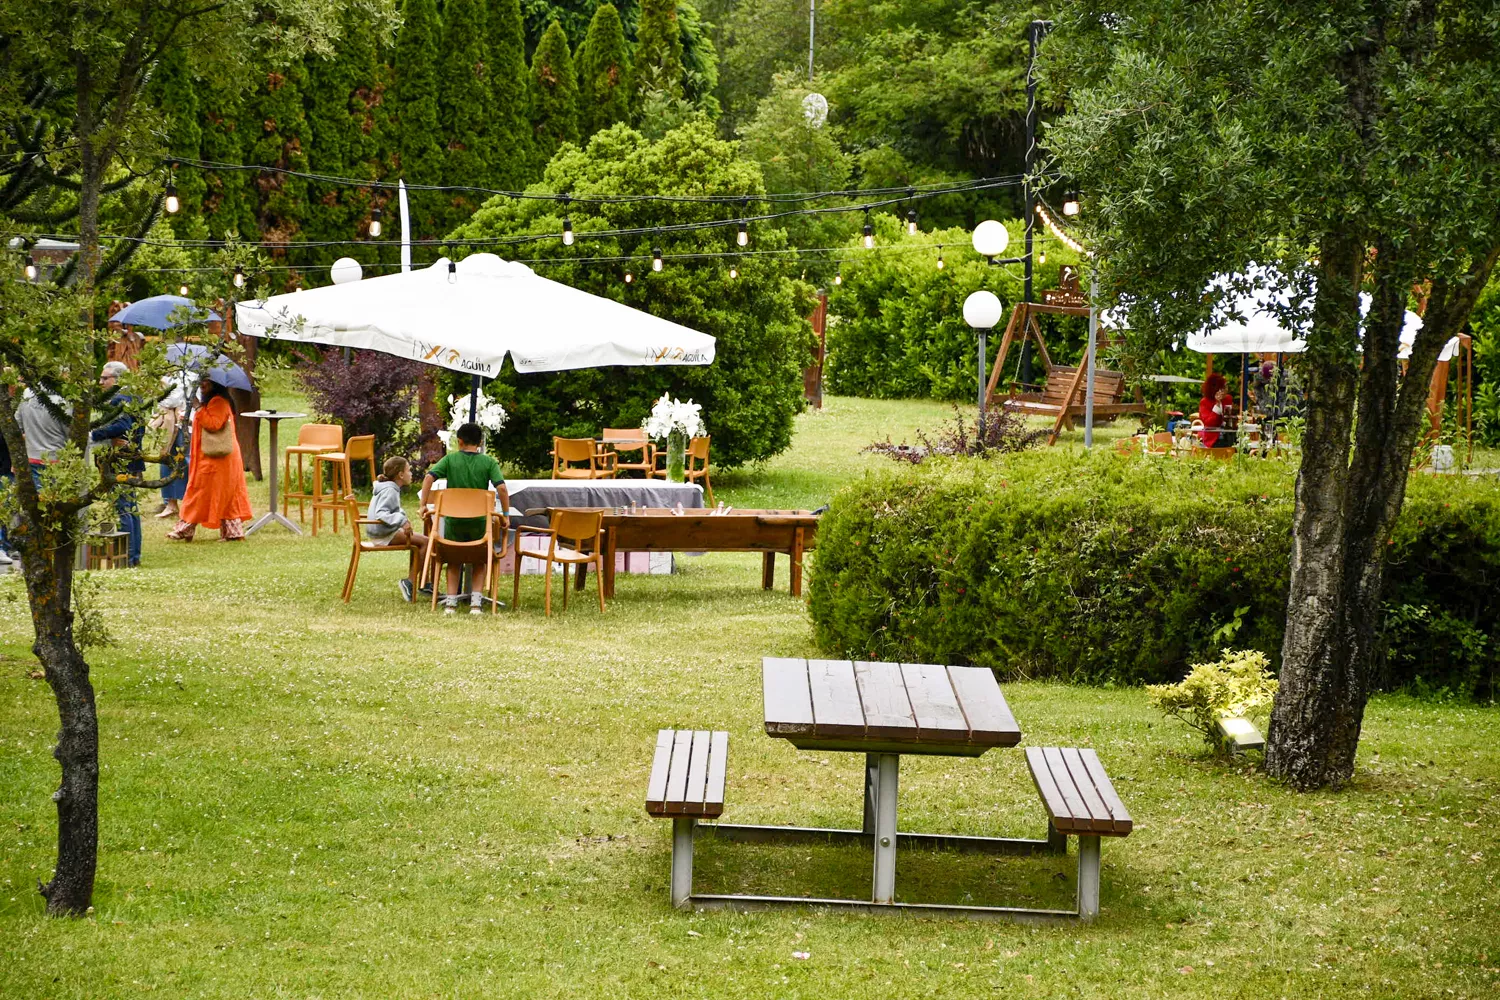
272, 417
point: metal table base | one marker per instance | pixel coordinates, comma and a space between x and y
880, 834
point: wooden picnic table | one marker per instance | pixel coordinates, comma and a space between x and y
661, 529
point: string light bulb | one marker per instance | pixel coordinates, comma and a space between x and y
239, 276
452, 272
734, 270
1041, 257
567, 231
743, 237
375, 226
182, 290
911, 222
869, 232
31, 271
1070, 204
656, 259
173, 203
940, 257
838, 279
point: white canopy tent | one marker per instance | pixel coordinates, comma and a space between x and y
468, 315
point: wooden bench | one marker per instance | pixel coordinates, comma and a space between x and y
686, 785
1080, 801
1063, 395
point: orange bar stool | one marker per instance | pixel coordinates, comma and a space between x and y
340, 488
312, 439
362, 449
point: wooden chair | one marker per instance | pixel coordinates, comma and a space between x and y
1160, 443
340, 487
566, 451
362, 449
351, 510
581, 530
312, 439
695, 466
441, 551
627, 441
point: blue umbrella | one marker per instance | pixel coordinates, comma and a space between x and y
154, 312
195, 358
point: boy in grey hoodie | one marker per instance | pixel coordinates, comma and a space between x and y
394, 527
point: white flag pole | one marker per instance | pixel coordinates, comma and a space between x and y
405, 228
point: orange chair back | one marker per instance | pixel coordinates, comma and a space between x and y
631, 434
698, 448
573, 449
360, 448
464, 503
580, 527
321, 435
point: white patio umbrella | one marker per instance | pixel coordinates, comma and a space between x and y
468, 315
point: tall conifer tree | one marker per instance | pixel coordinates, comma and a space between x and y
658, 51
554, 88
228, 205
603, 73
510, 124
174, 90
419, 135
465, 105
278, 136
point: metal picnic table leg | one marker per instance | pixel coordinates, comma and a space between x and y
885, 828
872, 779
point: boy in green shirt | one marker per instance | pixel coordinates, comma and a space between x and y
469, 468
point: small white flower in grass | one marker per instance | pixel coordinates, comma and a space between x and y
670, 415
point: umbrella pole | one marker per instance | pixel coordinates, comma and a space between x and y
473, 398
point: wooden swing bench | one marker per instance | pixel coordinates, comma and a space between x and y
1063, 396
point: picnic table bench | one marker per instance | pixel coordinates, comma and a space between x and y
885, 710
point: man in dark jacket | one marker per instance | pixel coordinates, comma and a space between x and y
124, 428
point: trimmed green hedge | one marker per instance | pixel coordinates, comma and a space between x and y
1106, 569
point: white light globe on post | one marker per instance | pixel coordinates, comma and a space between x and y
990, 240
982, 311
345, 270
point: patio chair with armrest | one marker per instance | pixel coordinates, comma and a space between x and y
361, 547
630, 443
582, 531
442, 552
567, 452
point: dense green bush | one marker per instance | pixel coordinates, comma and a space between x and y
754, 386
897, 325
1104, 569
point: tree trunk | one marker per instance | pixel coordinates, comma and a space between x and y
1316, 718
429, 417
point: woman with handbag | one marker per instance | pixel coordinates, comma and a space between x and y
216, 494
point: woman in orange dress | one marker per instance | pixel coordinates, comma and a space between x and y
216, 494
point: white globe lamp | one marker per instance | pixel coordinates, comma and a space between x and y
991, 238
983, 309
345, 270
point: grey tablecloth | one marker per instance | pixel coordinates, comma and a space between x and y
531, 493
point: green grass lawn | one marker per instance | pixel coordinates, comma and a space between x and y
305, 799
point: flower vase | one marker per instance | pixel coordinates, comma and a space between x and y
676, 456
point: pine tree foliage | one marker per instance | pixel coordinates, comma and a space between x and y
175, 92
554, 86
465, 105
419, 144
603, 73
510, 128
278, 136
658, 51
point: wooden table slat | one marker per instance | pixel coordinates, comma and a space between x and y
1084, 782
697, 777
1073, 800
677, 774
788, 701
934, 703
1119, 816
979, 696
835, 698
887, 708
656, 788
718, 763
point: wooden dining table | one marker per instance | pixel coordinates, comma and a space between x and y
884, 711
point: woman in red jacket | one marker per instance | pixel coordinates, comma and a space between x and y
1213, 408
